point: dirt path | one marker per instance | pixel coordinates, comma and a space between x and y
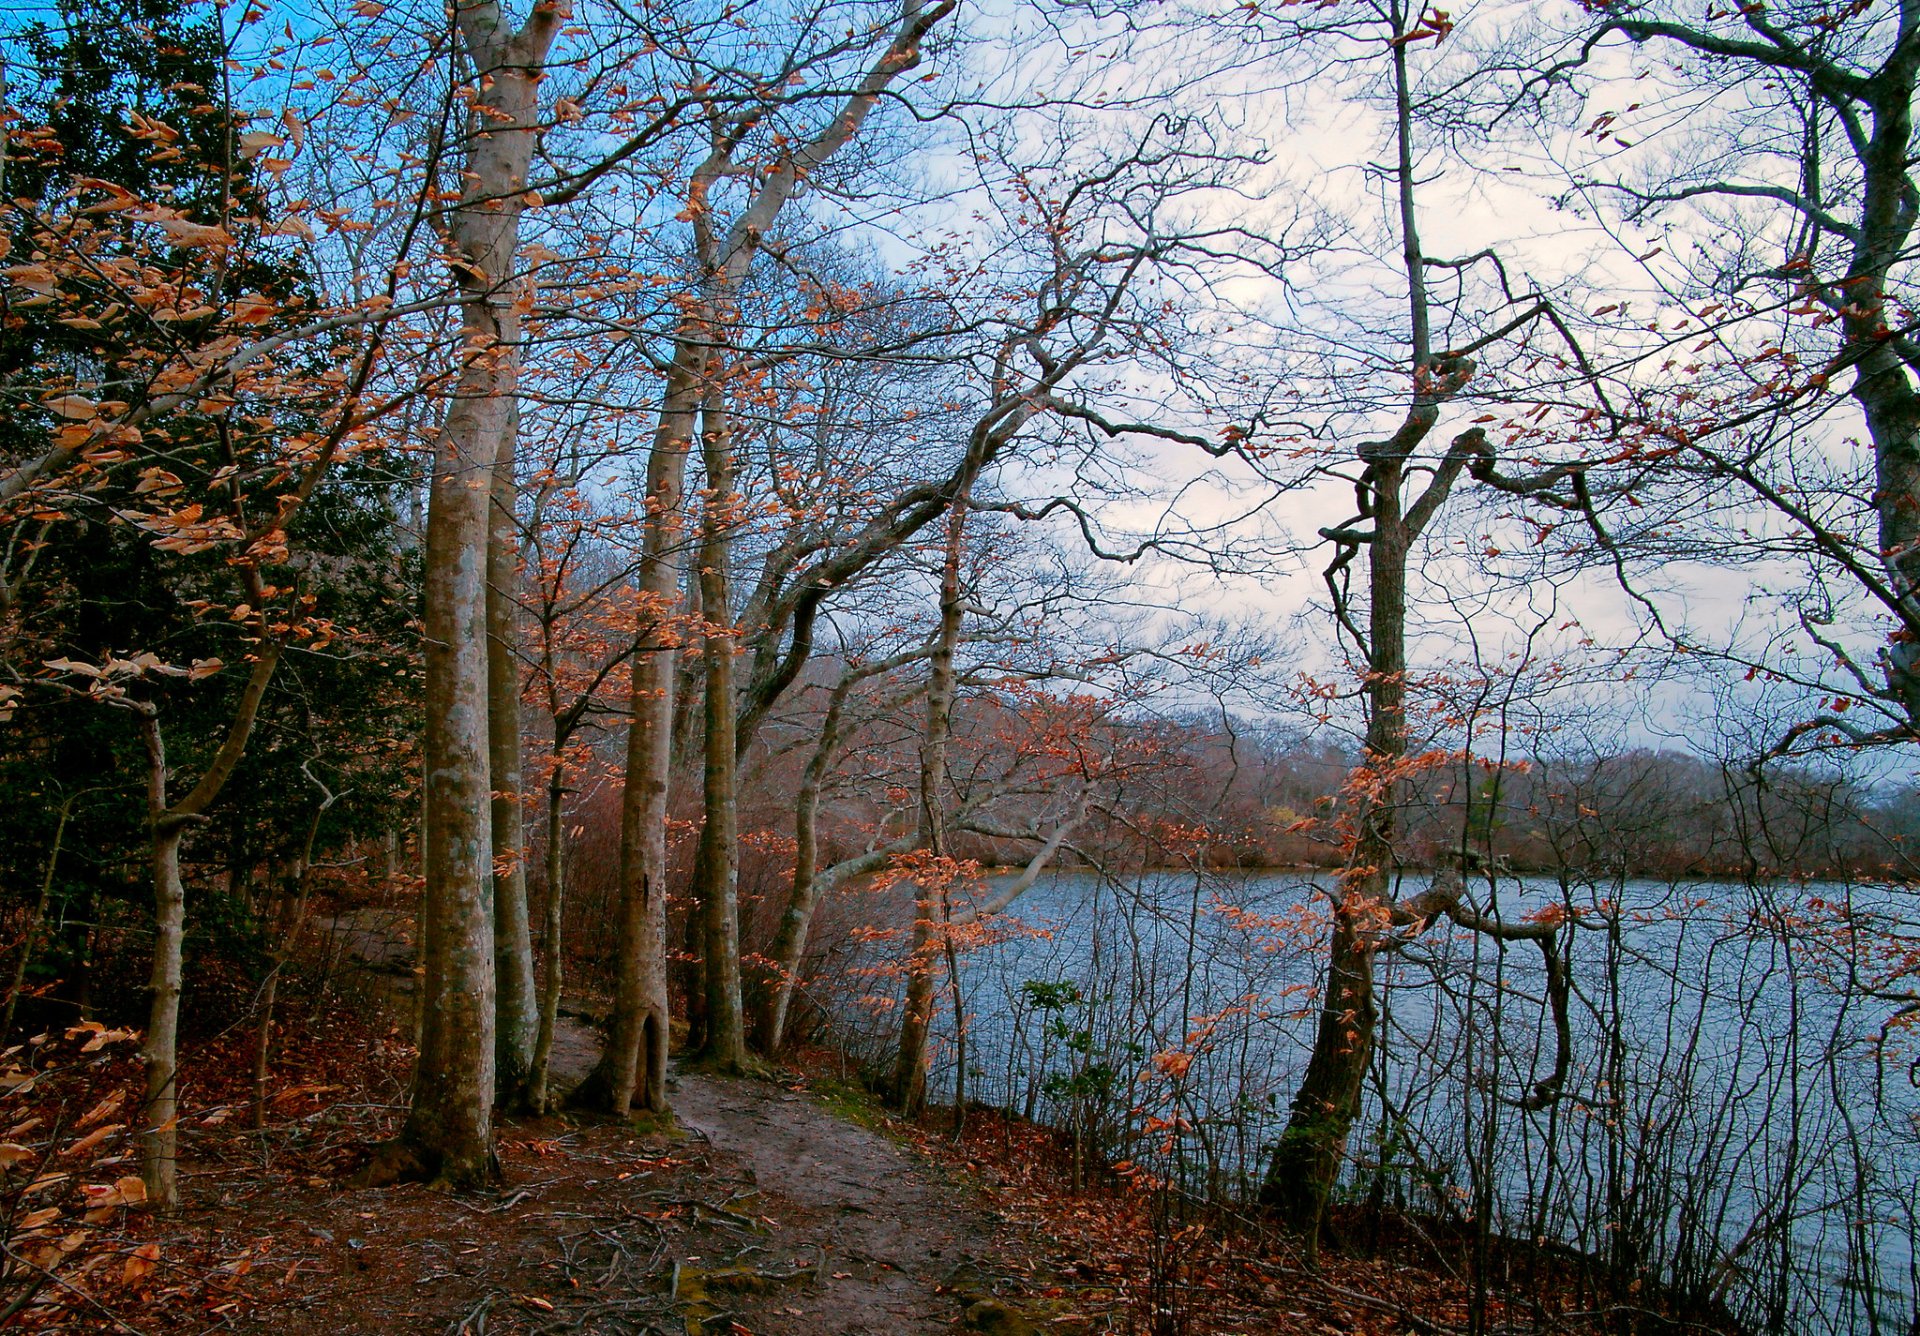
769, 1210
901, 1249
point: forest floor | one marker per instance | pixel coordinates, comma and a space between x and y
772, 1205
765, 1211
786, 1205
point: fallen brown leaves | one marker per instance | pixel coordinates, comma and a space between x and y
1180, 1266
79, 1250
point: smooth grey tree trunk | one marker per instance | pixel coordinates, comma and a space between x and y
168, 824
719, 890
515, 1002
448, 1133
908, 1091
633, 1067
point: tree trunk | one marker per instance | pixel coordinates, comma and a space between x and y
908, 1092
550, 934
1883, 385
512, 938
160, 1107
167, 827
633, 1068
449, 1130
689, 733
719, 895
1307, 1161
789, 947
636, 1051
448, 1134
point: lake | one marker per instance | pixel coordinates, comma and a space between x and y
1740, 1115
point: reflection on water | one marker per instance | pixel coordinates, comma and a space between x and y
1740, 1118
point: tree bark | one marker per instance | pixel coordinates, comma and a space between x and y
167, 827
160, 1107
633, 1068
448, 1134
908, 1092
552, 918
1306, 1164
1307, 1161
789, 946
635, 1057
515, 1004
719, 892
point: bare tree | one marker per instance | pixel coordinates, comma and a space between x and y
634, 1064
448, 1135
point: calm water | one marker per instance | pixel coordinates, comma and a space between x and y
1735, 1109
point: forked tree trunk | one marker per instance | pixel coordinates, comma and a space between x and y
636, 1054
512, 936
789, 946
1307, 1161
167, 825
1312, 1149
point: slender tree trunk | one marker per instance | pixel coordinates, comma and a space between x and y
550, 933
167, 827
789, 947
448, 1134
512, 937
908, 1092
633, 1068
160, 1106
637, 1049
689, 732
719, 898
1307, 1161
160, 1110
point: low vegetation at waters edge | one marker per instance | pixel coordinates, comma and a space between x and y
860, 667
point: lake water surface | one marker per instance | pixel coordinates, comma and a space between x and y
1737, 1116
